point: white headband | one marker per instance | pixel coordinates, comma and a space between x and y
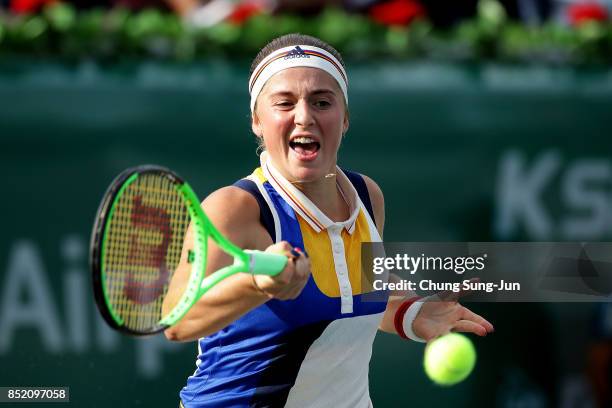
296, 56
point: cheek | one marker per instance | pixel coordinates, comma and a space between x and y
275, 126
334, 125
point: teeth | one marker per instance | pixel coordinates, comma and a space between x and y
303, 139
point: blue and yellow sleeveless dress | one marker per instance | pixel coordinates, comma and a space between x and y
313, 351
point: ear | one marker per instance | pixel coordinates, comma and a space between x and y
345, 124
256, 125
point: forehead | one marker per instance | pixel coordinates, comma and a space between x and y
299, 80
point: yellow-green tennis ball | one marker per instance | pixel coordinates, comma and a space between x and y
449, 359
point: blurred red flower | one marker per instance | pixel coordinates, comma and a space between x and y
244, 11
28, 6
397, 12
579, 13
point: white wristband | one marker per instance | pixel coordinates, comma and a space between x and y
409, 317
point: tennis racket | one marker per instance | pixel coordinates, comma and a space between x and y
137, 243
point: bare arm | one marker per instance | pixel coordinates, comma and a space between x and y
235, 213
435, 318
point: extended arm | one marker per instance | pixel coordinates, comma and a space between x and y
235, 213
435, 317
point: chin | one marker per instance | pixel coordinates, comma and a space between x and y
306, 174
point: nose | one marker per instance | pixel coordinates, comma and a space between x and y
303, 114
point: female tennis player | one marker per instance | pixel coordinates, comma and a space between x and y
304, 337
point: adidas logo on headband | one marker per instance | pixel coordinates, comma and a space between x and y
297, 52
296, 56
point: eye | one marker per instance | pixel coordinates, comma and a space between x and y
322, 104
283, 104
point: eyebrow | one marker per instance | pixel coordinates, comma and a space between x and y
315, 92
323, 91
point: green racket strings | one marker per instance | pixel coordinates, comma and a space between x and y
142, 248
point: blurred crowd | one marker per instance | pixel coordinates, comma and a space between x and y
441, 13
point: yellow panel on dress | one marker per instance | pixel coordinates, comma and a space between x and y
319, 249
258, 172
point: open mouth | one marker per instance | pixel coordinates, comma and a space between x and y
304, 146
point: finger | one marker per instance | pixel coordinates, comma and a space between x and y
282, 247
301, 251
467, 314
290, 292
287, 275
302, 266
299, 281
282, 296
466, 326
293, 279
295, 292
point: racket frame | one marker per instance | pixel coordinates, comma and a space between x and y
250, 261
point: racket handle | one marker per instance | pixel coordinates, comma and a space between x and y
265, 263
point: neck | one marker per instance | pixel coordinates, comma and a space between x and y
324, 193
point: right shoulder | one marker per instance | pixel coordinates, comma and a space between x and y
235, 213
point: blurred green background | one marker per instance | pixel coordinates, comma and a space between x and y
463, 152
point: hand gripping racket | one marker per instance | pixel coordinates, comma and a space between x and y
137, 243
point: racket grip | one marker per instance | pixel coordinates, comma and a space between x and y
265, 263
